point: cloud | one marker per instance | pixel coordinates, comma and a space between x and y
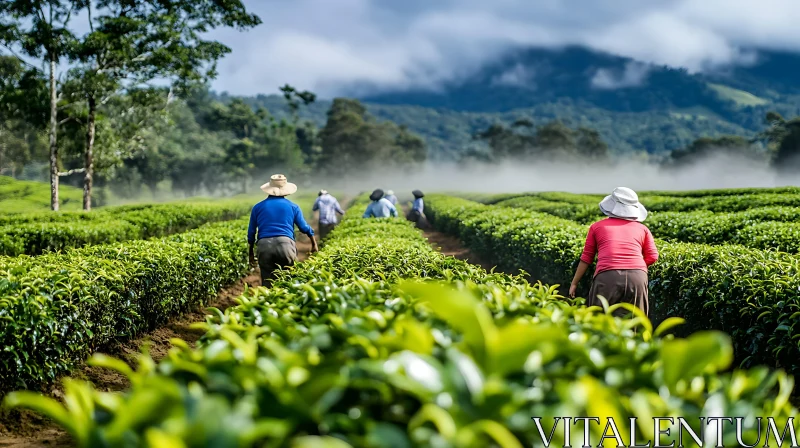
634, 74
327, 46
517, 76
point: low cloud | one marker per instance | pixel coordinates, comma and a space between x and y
518, 76
328, 46
633, 75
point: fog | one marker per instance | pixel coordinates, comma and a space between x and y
712, 172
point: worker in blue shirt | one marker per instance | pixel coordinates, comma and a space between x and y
379, 207
271, 228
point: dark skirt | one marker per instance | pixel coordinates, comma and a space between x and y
621, 286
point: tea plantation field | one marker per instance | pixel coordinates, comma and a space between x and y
381, 341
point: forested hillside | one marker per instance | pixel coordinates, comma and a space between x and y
634, 106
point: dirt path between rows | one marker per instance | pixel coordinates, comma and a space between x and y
452, 246
27, 429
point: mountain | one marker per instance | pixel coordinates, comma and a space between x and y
635, 106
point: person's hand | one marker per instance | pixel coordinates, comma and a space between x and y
252, 259
572, 290
314, 246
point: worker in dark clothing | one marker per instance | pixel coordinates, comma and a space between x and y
417, 212
271, 228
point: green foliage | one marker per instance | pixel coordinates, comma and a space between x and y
353, 140
706, 147
342, 354
551, 141
56, 309
21, 196
750, 294
30, 235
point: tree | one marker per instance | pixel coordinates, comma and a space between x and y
23, 96
354, 140
591, 146
134, 43
39, 29
704, 147
555, 140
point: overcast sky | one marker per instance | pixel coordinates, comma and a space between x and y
324, 45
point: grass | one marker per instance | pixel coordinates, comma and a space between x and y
740, 97
23, 196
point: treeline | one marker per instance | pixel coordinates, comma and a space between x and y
777, 145
133, 111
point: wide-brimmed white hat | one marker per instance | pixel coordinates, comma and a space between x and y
279, 186
623, 203
389, 192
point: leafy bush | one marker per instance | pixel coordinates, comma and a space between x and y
751, 294
34, 234
56, 309
370, 360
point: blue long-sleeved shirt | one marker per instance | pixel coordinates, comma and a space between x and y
380, 209
391, 198
418, 205
328, 207
276, 216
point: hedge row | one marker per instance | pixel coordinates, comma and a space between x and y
760, 228
340, 352
56, 309
130, 223
751, 294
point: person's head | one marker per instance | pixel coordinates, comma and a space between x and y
623, 203
389, 193
417, 194
321, 192
278, 186
376, 195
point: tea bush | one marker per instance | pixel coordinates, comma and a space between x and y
56, 309
341, 351
751, 294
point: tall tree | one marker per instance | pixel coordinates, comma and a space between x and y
353, 140
134, 43
39, 29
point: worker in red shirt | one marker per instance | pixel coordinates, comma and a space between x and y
624, 249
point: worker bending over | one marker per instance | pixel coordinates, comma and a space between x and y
379, 207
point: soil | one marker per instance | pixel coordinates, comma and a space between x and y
450, 245
22, 428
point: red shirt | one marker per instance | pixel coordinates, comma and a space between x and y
619, 244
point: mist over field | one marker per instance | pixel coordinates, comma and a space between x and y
713, 172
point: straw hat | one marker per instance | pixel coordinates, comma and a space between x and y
623, 203
389, 193
278, 186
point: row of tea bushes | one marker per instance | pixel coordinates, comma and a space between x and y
342, 352
30, 237
753, 295
56, 309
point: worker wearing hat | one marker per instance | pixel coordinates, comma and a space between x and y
391, 197
327, 206
271, 230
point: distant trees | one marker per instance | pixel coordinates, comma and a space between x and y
782, 137
553, 141
352, 140
705, 147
